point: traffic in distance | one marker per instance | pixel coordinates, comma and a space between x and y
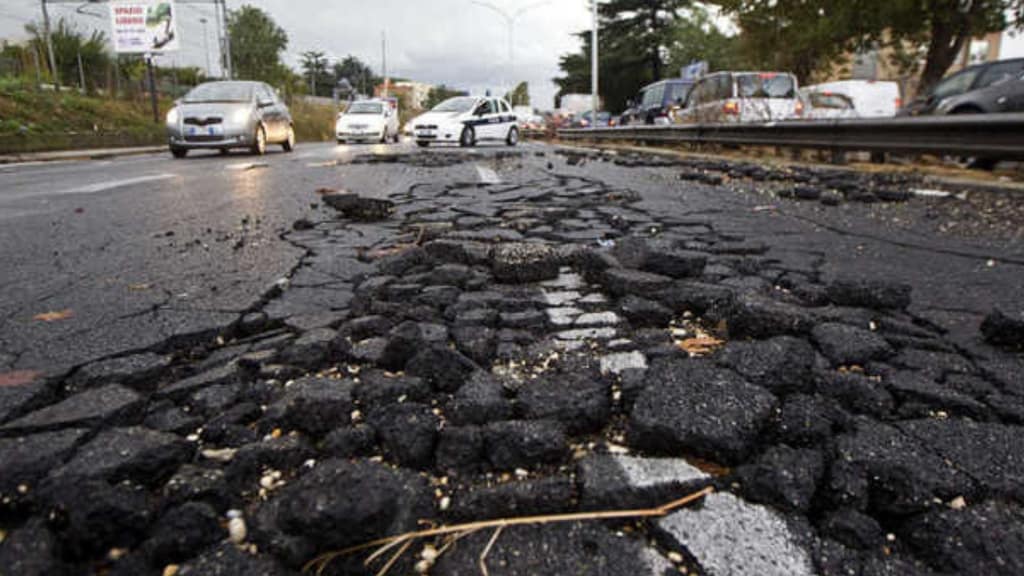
251, 115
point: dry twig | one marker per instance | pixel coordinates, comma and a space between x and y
458, 531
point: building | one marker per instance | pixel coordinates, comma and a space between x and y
884, 64
416, 92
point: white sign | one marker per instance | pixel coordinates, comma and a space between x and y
144, 26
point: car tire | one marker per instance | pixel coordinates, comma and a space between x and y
289, 142
179, 152
468, 137
223, 151
423, 143
259, 143
513, 136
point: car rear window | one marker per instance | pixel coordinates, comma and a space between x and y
765, 85
678, 92
366, 108
830, 100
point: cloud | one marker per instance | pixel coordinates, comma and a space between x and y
439, 41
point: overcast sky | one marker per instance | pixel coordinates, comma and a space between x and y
451, 41
437, 41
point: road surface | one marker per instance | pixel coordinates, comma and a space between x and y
230, 365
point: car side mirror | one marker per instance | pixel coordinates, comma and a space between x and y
265, 103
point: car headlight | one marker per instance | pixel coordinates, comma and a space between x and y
173, 116
241, 116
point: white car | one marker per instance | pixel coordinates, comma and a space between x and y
467, 120
871, 99
825, 105
740, 97
367, 120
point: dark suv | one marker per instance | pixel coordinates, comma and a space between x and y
982, 89
655, 100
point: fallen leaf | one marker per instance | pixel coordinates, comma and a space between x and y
139, 287
79, 210
54, 316
18, 378
325, 191
701, 346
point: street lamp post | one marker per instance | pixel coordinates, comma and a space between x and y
206, 46
49, 46
510, 20
595, 100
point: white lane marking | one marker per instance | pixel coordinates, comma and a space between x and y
488, 176
110, 185
245, 166
925, 193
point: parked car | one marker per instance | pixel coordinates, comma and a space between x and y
986, 88
871, 99
824, 105
467, 120
366, 120
982, 89
654, 103
738, 97
226, 115
604, 119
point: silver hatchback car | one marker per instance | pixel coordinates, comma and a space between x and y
226, 115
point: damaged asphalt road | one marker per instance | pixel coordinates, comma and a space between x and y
220, 367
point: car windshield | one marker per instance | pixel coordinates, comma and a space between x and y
366, 108
462, 104
220, 92
765, 85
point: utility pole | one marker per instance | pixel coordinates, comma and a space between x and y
384, 60
81, 72
206, 46
594, 98
49, 46
152, 88
229, 68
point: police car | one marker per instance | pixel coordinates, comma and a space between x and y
467, 120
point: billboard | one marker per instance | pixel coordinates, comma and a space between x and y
144, 26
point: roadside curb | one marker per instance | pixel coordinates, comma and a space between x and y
939, 181
72, 155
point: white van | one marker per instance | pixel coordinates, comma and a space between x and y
871, 99
738, 97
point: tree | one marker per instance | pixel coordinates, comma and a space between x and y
809, 36
634, 42
801, 36
439, 94
358, 74
71, 47
942, 28
314, 69
697, 38
256, 46
643, 27
520, 96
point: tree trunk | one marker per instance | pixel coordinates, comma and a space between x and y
947, 39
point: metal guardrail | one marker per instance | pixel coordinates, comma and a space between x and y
988, 135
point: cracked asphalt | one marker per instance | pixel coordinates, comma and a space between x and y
233, 365
145, 250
